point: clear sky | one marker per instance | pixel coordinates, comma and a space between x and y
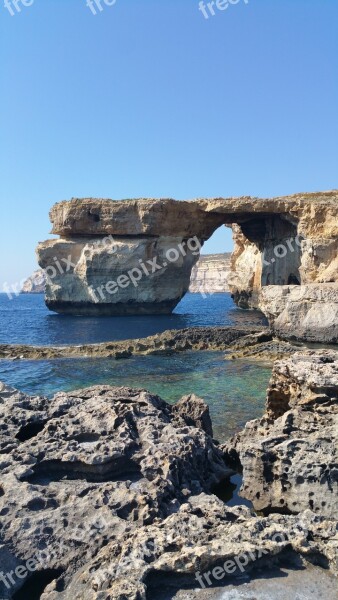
150, 98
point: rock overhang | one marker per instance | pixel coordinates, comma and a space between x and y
200, 216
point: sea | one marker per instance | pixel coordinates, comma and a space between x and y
234, 390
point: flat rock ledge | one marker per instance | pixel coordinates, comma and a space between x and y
174, 340
252, 342
109, 490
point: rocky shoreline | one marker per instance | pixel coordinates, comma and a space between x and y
238, 342
111, 493
107, 493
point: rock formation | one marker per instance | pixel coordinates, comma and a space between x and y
208, 276
173, 340
210, 273
286, 264
122, 257
134, 276
290, 456
106, 493
302, 312
136, 256
97, 463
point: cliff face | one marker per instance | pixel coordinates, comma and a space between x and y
135, 275
210, 273
136, 256
287, 266
302, 312
35, 284
295, 243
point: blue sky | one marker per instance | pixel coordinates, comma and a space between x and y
150, 98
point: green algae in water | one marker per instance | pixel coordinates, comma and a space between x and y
234, 390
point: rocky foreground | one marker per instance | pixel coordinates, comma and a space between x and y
107, 493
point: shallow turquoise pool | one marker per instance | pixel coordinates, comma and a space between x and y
234, 390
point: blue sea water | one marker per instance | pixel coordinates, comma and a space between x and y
26, 320
234, 390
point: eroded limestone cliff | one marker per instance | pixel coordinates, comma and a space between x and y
136, 256
210, 274
286, 264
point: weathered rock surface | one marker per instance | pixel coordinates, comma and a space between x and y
151, 216
302, 312
35, 284
244, 279
289, 457
134, 275
105, 495
140, 217
210, 273
262, 346
146, 268
294, 245
103, 454
202, 535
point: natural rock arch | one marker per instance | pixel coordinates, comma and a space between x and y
135, 256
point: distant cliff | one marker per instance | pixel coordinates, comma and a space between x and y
210, 273
35, 284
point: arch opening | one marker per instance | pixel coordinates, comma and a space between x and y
266, 251
276, 238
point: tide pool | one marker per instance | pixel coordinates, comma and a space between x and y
234, 390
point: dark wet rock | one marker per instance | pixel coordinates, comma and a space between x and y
261, 346
123, 354
173, 340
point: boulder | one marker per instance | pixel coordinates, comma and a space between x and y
307, 312
90, 466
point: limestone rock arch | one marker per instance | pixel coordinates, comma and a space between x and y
135, 256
